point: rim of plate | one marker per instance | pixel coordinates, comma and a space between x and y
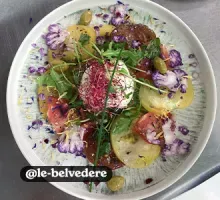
71, 7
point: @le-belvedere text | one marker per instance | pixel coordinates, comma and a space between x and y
66, 174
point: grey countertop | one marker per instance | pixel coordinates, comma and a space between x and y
202, 16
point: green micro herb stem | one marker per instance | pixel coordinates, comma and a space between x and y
90, 54
100, 130
145, 84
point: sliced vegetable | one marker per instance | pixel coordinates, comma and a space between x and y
106, 29
148, 126
116, 183
75, 34
158, 103
44, 93
55, 58
57, 113
131, 149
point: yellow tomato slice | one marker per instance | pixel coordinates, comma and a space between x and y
132, 150
161, 104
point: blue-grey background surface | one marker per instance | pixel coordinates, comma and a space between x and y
202, 16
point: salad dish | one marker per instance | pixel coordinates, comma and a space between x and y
109, 91
112, 86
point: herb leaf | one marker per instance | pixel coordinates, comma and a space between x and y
153, 49
105, 148
84, 39
46, 80
124, 121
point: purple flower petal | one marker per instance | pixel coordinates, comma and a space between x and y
36, 124
117, 21
183, 129
171, 95
41, 96
105, 16
41, 51
178, 147
34, 45
120, 10
41, 70
119, 38
50, 36
168, 80
97, 30
100, 40
135, 44
54, 28
151, 137
71, 141
55, 37
169, 134
175, 58
31, 70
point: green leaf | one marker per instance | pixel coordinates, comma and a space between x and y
105, 148
153, 49
124, 121
84, 39
76, 104
46, 80
62, 85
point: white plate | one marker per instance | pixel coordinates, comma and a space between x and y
199, 117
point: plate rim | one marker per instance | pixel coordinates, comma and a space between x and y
176, 175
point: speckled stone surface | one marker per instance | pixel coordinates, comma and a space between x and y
15, 24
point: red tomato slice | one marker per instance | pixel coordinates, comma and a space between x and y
109, 160
147, 122
145, 65
165, 54
57, 113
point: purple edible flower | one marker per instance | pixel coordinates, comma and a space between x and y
175, 58
177, 147
100, 40
171, 95
172, 79
41, 96
71, 141
151, 137
41, 51
168, 80
117, 21
184, 130
169, 134
97, 30
135, 44
31, 70
120, 10
41, 70
55, 37
119, 38
34, 45
36, 124
105, 16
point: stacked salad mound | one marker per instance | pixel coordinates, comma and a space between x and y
109, 91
